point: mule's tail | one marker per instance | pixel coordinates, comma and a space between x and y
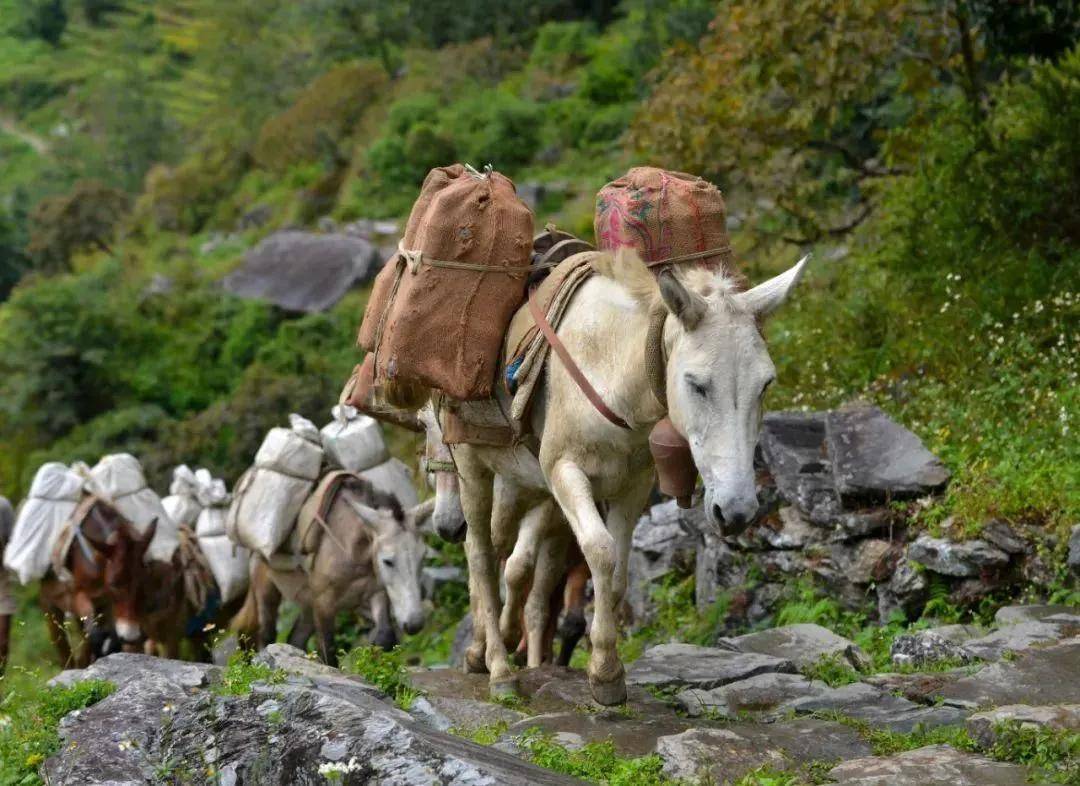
246, 622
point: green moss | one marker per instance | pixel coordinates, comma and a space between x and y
595, 762
242, 672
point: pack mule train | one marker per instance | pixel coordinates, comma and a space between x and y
656, 335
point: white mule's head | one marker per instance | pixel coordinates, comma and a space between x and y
718, 370
398, 552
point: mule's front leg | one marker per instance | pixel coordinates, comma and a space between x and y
572, 489
476, 499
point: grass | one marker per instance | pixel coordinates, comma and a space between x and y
595, 762
833, 670
385, 670
487, 734
1053, 753
28, 726
676, 618
242, 672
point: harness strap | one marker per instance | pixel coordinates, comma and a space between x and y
571, 367
721, 251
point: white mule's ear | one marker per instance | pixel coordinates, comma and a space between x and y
687, 306
419, 515
765, 298
370, 516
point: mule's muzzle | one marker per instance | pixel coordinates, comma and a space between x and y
128, 632
452, 531
414, 624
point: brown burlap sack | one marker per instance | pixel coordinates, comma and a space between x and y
459, 275
667, 216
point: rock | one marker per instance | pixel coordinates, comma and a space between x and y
793, 530
918, 687
1040, 675
295, 661
924, 648
1012, 615
803, 644
905, 591
934, 765
956, 559
434, 577
861, 523
758, 695
686, 665
117, 669
303, 271
793, 445
874, 459
709, 755
224, 648
867, 703
156, 729
1019, 636
470, 714
1004, 537
1074, 549
872, 561
717, 568
254, 218
722, 755
665, 540
766, 597
957, 634
982, 726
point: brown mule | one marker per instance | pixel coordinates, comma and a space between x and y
75, 587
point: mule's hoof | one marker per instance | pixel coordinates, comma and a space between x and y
609, 693
503, 689
475, 664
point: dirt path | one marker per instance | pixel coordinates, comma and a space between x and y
39, 145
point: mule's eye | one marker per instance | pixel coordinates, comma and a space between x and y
698, 387
388, 562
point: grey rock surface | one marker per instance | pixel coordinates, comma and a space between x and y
934, 765
1074, 549
804, 644
763, 694
714, 756
435, 577
951, 558
1018, 636
793, 444
159, 725
983, 726
1004, 537
687, 665
875, 459
1011, 615
665, 540
925, 648
877, 707
1038, 675
303, 271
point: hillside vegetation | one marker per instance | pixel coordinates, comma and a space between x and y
926, 150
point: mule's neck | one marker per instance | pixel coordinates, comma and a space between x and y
633, 396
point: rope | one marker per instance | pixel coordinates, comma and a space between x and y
415, 258
711, 252
655, 364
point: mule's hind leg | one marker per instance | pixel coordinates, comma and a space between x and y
324, 608
519, 569
571, 486
303, 628
267, 601
54, 623
573, 624
548, 575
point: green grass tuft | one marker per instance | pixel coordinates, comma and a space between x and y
242, 672
595, 762
385, 670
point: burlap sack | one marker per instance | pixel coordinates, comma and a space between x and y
452, 289
666, 216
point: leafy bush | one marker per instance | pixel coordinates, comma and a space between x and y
82, 219
28, 724
494, 127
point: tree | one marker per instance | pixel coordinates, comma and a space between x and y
790, 99
44, 19
82, 219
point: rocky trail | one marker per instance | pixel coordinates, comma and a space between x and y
711, 714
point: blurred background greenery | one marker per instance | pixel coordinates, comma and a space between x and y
927, 150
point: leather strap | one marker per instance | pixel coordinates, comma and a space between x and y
571, 367
655, 363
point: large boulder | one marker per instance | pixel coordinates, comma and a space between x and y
926, 648
1039, 675
689, 666
951, 558
793, 445
665, 540
303, 271
1020, 636
296, 729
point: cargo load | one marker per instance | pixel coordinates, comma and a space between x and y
181, 504
669, 217
440, 307
53, 497
119, 479
269, 495
353, 441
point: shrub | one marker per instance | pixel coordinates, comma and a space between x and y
497, 128
320, 119
82, 219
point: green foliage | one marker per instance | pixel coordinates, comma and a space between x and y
44, 19
1053, 753
483, 735
241, 672
595, 762
28, 726
385, 670
432, 645
833, 670
495, 127
676, 619
62, 226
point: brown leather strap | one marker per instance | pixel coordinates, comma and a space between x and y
570, 366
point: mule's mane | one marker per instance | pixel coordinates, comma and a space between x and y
626, 267
375, 498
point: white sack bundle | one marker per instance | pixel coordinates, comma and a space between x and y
53, 497
229, 564
119, 478
394, 478
269, 495
353, 441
